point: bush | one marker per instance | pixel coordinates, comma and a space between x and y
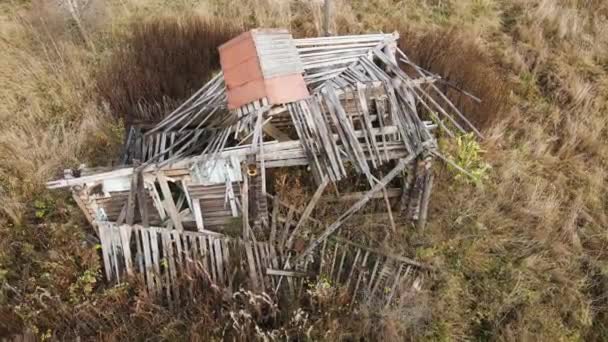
459, 59
161, 62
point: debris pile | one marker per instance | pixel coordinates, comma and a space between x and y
191, 196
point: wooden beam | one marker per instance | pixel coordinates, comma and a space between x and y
198, 215
245, 203
353, 196
426, 196
274, 132
308, 210
168, 201
275, 218
85, 211
357, 206
141, 199
270, 271
131, 201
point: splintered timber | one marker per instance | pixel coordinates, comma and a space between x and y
190, 198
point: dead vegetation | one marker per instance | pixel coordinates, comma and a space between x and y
521, 258
159, 63
460, 59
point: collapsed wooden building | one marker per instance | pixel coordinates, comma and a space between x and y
191, 195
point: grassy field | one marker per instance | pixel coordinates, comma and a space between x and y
520, 254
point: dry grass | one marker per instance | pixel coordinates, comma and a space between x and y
458, 57
519, 258
48, 115
160, 62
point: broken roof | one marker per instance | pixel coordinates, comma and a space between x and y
338, 105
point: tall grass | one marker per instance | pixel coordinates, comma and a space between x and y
48, 114
458, 58
160, 62
520, 258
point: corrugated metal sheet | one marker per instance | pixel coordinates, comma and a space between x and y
334, 52
277, 53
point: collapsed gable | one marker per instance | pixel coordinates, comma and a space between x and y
340, 106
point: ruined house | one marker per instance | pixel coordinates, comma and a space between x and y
192, 194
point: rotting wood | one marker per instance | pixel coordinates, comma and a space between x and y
363, 112
141, 200
358, 205
168, 201
307, 211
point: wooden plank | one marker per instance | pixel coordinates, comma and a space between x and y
184, 187
406, 186
379, 279
305, 140
367, 125
341, 267
275, 217
307, 211
226, 255
157, 202
396, 258
177, 239
153, 234
219, 260
353, 196
251, 264
125, 242
104, 231
322, 257
395, 284
274, 132
259, 265
170, 258
389, 209
333, 262
196, 253
285, 273
426, 196
353, 267
245, 204
122, 215
268, 261
187, 250
139, 250
285, 232
165, 277
323, 137
62, 183
357, 156
141, 199
147, 259
373, 274
274, 259
202, 244
130, 217
85, 211
358, 205
380, 110
212, 261
231, 198
363, 267
168, 201
115, 238
198, 215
